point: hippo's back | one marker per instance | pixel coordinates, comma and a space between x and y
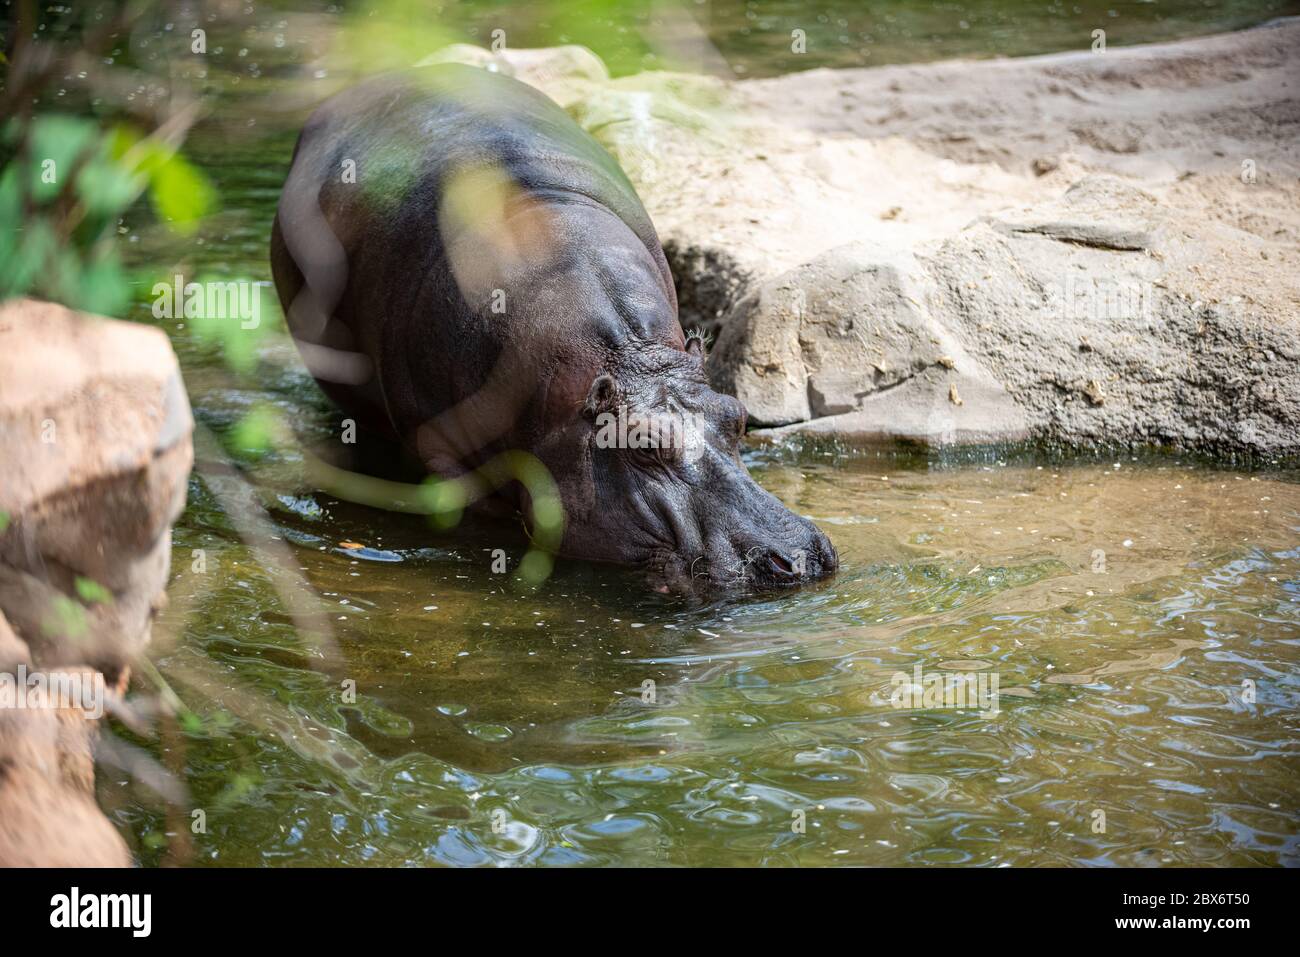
407, 133
394, 330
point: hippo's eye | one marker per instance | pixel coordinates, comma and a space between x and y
666, 453
653, 439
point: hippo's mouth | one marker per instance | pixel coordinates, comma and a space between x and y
668, 575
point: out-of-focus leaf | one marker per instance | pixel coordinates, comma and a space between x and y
382, 34
107, 188
226, 330
9, 219
181, 194
32, 250
120, 139
57, 142
103, 287
179, 191
92, 592
10, 200
254, 432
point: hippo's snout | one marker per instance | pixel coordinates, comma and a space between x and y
679, 499
808, 558
794, 553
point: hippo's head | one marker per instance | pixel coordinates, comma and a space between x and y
661, 484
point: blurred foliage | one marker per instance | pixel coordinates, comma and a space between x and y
92, 592
256, 432
382, 35
223, 329
72, 165
64, 186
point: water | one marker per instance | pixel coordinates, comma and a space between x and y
757, 38
1141, 617
1125, 611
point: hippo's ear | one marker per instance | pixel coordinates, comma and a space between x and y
695, 344
604, 396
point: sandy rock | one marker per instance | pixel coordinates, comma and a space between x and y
97, 432
850, 340
1151, 112
1089, 311
738, 200
97, 425
48, 815
13, 650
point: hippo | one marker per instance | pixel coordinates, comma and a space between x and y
466, 271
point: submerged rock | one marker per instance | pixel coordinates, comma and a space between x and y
96, 429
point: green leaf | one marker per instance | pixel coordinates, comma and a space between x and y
255, 431
29, 258
92, 592
103, 287
10, 200
56, 143
181, 194
106, 188
238, 345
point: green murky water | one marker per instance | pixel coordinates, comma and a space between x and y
1141, 618
1154, 684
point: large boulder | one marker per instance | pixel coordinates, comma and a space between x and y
96, 429
1087, 317
1110, 318
48, 815
850, 341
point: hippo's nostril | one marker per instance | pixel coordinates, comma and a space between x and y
778, 561
827, 560
778, 566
